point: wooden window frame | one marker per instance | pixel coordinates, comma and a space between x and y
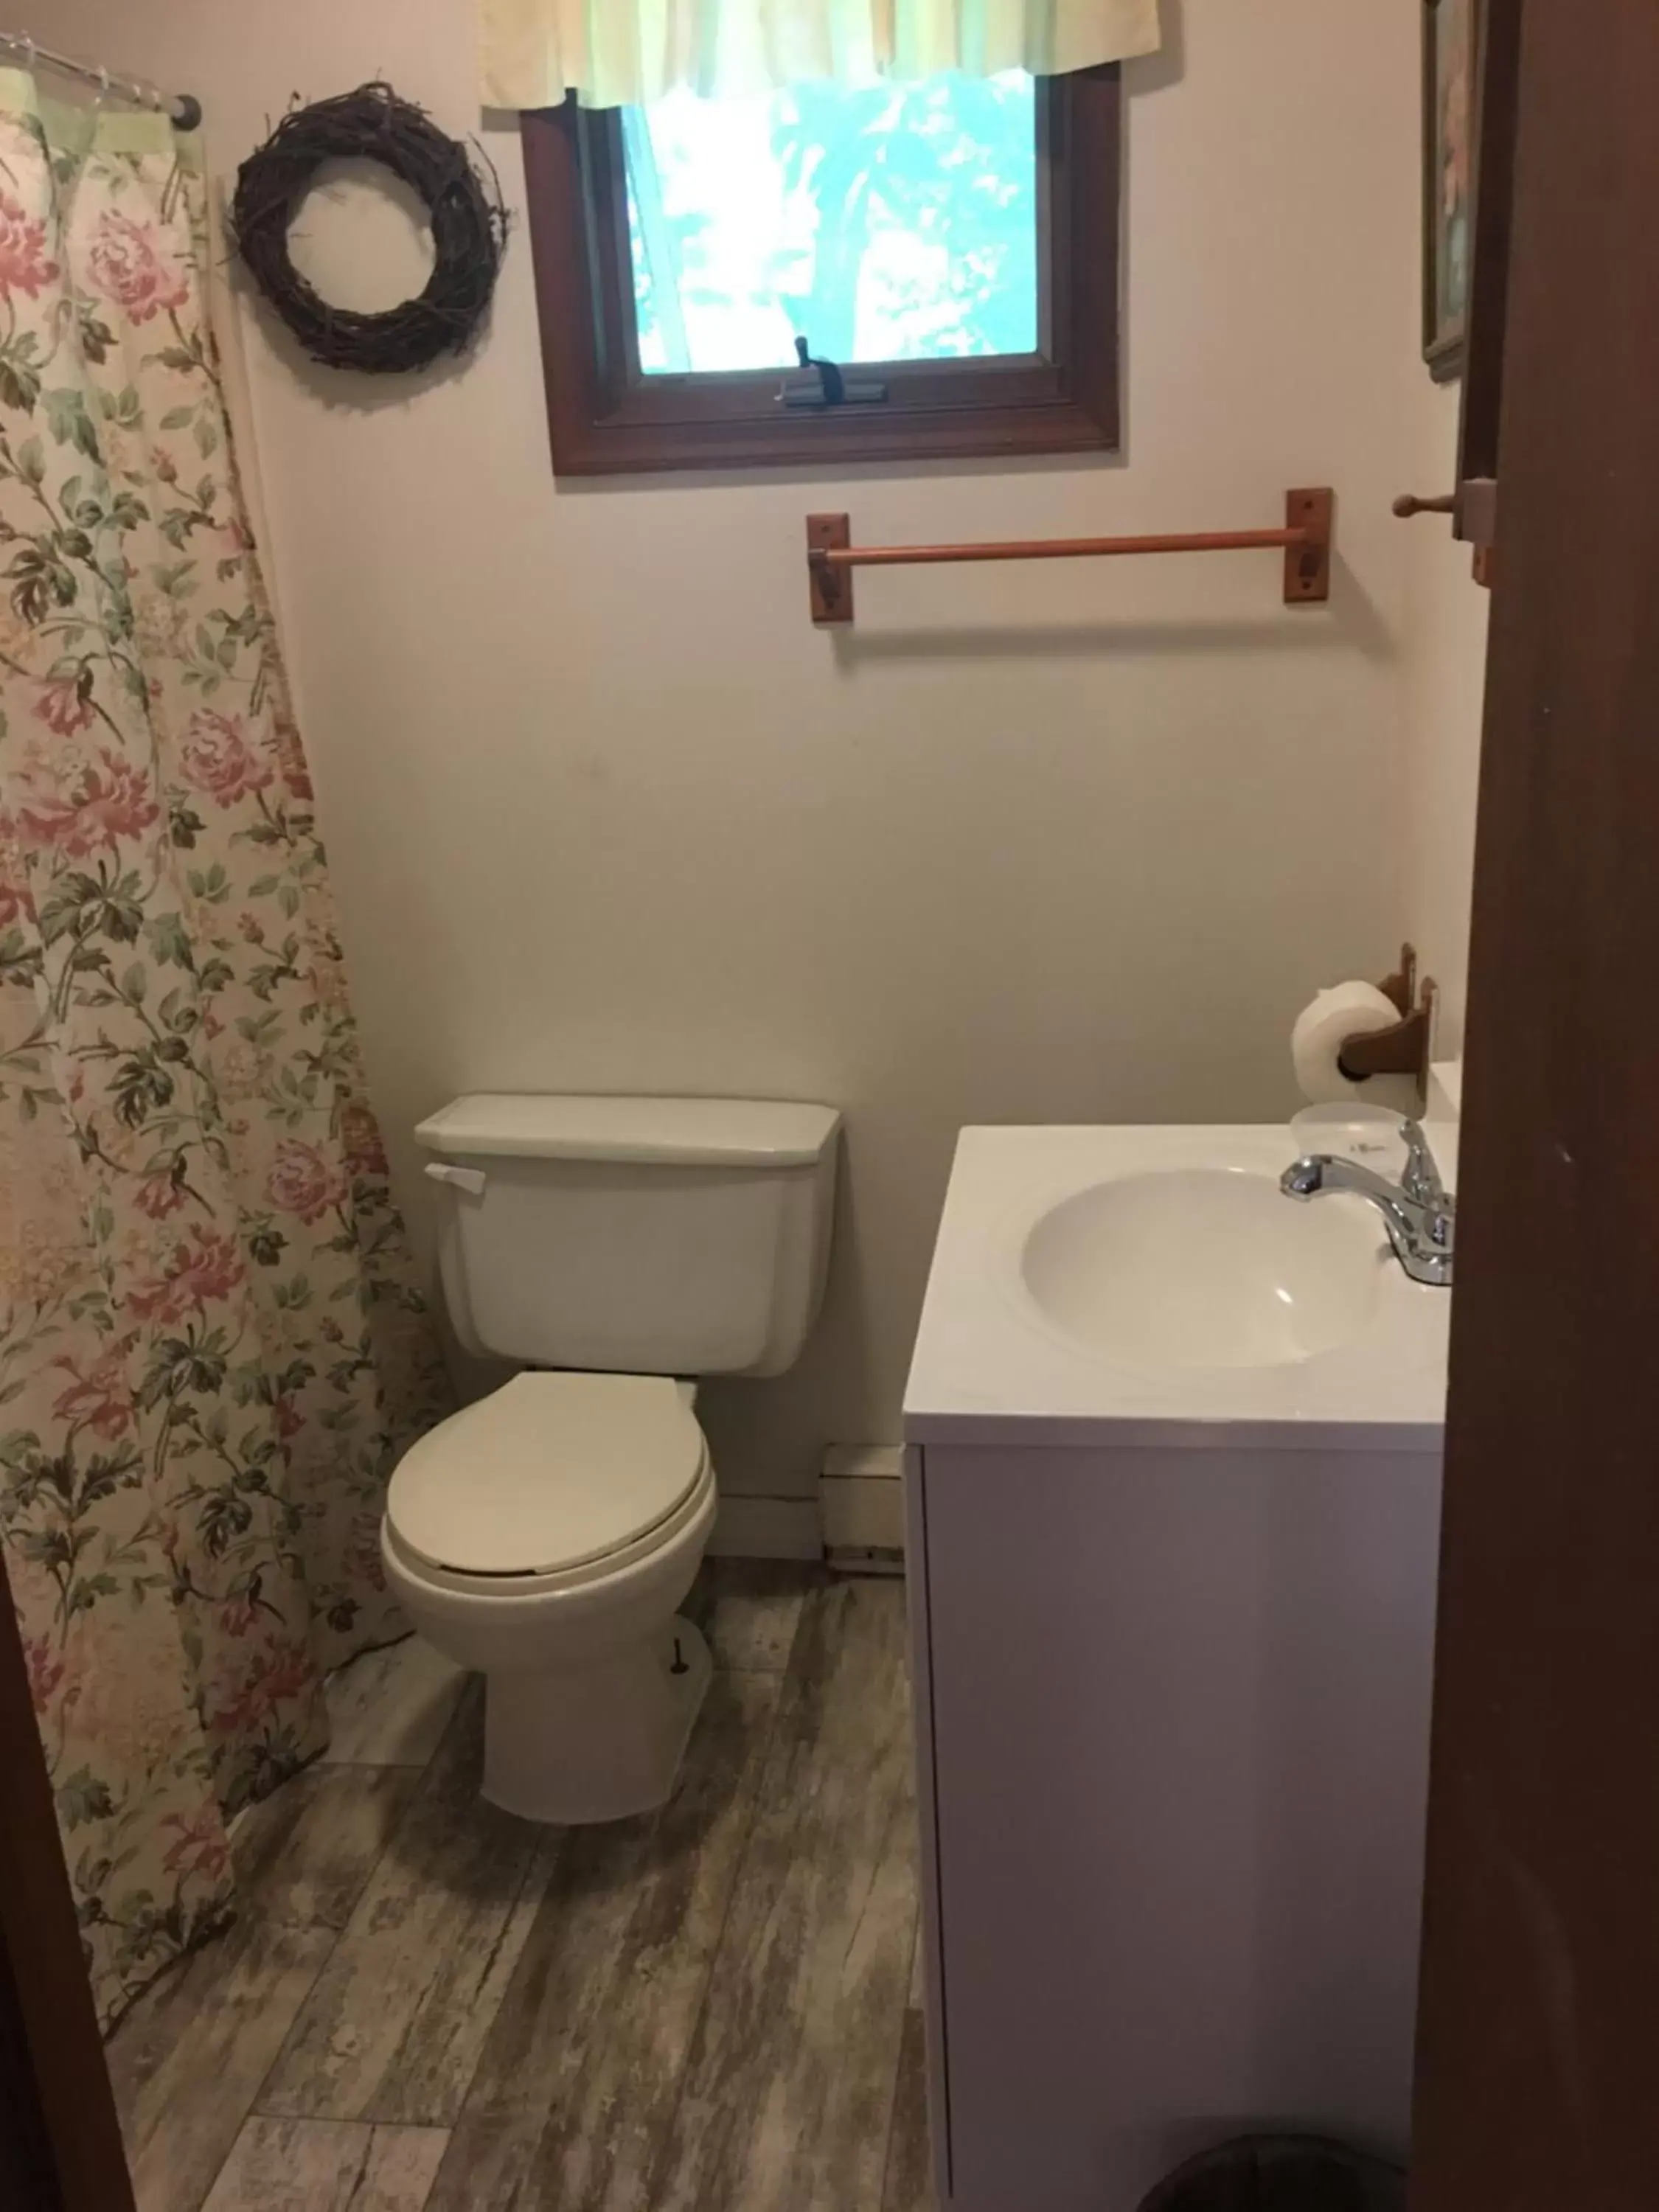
606, 418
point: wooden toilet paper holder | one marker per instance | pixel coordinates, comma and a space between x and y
1404, 1050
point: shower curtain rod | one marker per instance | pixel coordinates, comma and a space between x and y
184, 107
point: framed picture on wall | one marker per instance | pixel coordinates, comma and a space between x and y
1450, 32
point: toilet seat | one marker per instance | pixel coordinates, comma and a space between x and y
553, 1479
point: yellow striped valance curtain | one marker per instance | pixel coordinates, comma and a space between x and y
617, 53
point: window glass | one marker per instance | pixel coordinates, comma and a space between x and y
893, 222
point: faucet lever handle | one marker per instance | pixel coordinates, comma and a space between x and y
1420, 1178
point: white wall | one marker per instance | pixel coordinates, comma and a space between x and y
1444, 667
1045, 843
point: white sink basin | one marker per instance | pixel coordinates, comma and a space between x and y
1205, 1268
1156, 1283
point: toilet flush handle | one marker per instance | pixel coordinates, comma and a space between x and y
470, 1180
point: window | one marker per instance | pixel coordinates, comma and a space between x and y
950, 247
897, 223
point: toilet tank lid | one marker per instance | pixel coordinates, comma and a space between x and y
668, 1132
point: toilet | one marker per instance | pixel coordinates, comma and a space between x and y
616, 1249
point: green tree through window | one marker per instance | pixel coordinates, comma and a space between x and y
893, 222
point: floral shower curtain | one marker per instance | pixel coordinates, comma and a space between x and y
210, 1348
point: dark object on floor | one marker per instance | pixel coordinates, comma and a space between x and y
1281, 2174
469, 229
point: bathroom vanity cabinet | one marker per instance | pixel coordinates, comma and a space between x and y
1172, 1681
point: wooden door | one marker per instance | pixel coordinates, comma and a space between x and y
1538, 2077
60, 2146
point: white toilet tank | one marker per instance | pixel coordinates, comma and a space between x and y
644, 1235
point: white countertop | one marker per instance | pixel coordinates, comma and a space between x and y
992, 1368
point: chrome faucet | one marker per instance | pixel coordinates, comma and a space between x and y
1420, 1214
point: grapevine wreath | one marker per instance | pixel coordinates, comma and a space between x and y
469, 229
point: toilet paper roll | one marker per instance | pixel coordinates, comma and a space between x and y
1321, 1030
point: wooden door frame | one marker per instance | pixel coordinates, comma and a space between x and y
1538, 2075
60, 2141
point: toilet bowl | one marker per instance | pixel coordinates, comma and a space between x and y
548, 1534
546, 1537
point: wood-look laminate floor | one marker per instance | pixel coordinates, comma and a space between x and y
427, 2004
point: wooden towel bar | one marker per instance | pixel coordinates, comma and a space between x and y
1305, 540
